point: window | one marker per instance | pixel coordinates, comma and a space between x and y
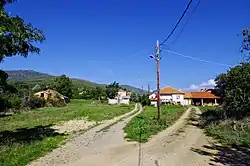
42, 95
178, 97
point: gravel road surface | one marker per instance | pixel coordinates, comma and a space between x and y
174, 146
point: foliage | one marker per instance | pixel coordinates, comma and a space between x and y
14, 101
228, 131
134, 97
234, 87
225, 132
143, 126
16, 37
89, 93
10, 101
64, 85
246, 43
55, 102
8, 97
112, 89
35, 102
144, 100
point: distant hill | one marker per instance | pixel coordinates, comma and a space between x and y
33, 77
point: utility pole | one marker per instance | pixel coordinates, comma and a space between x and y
157, 58
148, 89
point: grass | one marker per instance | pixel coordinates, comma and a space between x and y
225, 133
143, 126
229, 131
28, 135
207, 108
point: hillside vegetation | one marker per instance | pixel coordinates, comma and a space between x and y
32, 78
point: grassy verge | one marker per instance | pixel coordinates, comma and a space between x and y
206, 108
27, 135
143, 126
229, 132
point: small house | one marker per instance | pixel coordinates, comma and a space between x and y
51, 94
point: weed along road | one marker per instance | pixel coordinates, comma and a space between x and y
177, 145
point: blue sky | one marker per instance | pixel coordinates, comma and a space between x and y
106, 41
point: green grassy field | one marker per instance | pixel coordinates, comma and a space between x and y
27, 135
143, 126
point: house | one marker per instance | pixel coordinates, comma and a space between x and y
52, 94
168, 95
202, 98
175, 96
123, 97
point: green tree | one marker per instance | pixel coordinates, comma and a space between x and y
112, 89
144, 100
134, 97
234, 87
99, 93
246, 43
17, 37
64, 85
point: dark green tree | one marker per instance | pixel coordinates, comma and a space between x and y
99, 93
17, 37
64, 85
112, 89
234, 87
246, 43
144, 100
134, 97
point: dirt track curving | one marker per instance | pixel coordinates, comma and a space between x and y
179, 145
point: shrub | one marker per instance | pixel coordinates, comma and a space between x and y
55, 103
35, 102
14, 102
10, 102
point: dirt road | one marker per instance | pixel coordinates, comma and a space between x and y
179, 145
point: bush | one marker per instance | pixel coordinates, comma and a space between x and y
14, 102
35, 102
55, 103
10, 102
231, 132
144, 100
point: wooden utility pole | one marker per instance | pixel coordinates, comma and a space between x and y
148, 89
157, 58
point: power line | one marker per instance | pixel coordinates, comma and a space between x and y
183, 14
184, 26
197, 59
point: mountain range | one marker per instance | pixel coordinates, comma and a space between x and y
32, 78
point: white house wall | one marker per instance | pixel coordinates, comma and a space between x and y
166, 97
178, 98
124, 101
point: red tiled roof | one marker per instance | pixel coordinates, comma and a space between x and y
200, 95
187, 95
170, 90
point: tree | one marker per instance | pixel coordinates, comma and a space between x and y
99, 93
16, 37
234, 87
246, 43
112, 89
64, 85
134, 97
144, 100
